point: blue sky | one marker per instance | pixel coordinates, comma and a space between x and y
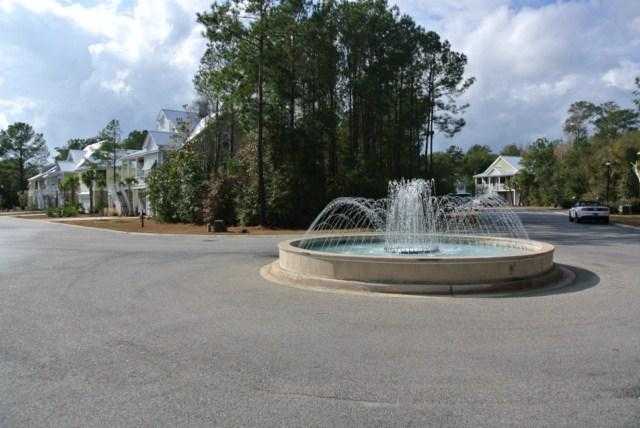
68, 67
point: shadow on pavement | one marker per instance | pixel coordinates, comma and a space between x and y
584, 279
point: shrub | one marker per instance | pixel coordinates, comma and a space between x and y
23, 199
221, 203
68, 210
177, 188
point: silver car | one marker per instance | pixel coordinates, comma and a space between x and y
589, 211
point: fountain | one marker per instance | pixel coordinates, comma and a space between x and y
416, 242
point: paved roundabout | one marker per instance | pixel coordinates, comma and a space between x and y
99, 327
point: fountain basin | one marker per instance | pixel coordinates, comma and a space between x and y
519, 264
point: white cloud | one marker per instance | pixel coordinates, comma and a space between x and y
623, 76
126, 59
118, 84
102, 60
16, 106
21, 109
188, 51
531, 63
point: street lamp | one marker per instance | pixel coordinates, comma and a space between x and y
608, 165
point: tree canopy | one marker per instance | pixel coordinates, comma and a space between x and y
337, 98
23, 152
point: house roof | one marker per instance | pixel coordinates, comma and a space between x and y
163, 138
75, 155
202, 124
50, 171
136, 153
155, 140
92, 148
175, 116
76, 160
35, 177
66, 166
513, 163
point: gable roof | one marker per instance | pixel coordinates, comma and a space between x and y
202, 124
513, 164
177, 116
66, 166
75, 155
76, 161
92, 148
160, 139
514, 161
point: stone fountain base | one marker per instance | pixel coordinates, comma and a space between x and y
533, 268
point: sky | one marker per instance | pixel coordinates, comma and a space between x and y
68, 67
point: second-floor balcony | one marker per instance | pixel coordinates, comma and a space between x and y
140, 175
492, 187
134, 172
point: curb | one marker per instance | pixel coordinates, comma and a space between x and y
192, 235
626, 226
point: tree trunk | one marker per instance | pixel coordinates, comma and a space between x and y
233, 131
292, 88
21, 170
91, 199
262, 199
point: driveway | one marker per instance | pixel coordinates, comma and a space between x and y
104, 328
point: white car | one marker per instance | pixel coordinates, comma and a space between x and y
589, 211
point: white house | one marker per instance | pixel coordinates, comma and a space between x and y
499, 178
175, 120
124, 196
44, 190
139, 164
131, 196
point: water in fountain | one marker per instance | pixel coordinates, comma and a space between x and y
410, 225
412, 220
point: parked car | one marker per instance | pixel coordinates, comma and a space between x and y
589, 211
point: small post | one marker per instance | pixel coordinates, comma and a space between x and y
142, 219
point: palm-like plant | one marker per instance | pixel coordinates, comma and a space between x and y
70, 185
129, 182
88, 178
101, 184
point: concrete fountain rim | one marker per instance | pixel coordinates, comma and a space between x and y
532, 248
410, 275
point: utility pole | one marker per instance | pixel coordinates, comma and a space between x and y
115, 141
113, 163
608, 165
262, 200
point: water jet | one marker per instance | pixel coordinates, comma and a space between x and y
415, 242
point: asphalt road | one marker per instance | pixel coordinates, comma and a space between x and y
104, 328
